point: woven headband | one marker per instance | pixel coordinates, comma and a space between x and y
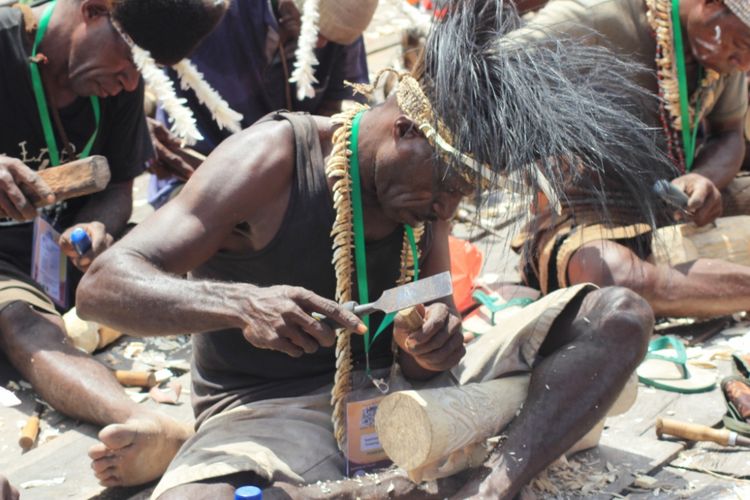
741, 9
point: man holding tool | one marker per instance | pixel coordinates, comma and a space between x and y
69, 88
315, 210
697, 53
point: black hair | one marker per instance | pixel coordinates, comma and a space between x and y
168, 29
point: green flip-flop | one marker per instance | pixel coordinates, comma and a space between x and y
665, 367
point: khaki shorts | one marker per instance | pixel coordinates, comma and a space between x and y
291, 439
17, 286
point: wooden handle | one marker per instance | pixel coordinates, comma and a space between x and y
691, 432
135, 378
77, 178
411, 318
29, 432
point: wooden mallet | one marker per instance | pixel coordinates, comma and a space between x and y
76, 178
697, 432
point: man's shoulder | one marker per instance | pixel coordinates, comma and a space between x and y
591, 13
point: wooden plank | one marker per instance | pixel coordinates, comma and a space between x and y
732, 460
674, 482
67, 456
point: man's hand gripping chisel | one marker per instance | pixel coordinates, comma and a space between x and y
672, 196
401, 297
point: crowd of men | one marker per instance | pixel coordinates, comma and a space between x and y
311, 205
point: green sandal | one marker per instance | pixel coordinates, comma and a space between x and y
670, 372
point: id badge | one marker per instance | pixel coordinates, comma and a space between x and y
49, 266
363, 450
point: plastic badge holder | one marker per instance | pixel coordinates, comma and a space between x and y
248, 493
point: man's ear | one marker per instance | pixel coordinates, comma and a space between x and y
94, 9
404, 128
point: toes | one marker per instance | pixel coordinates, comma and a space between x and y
103, 464
117, 436
99, 450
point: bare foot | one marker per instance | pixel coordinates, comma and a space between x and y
137, 451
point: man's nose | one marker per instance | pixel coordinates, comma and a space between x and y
129, 78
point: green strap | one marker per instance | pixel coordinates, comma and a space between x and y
688, 137
41, 101
360, 257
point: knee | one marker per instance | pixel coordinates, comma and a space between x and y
23, 326
626, 322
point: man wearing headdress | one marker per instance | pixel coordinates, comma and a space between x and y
278, 236
696, 53
250, 57
69, 88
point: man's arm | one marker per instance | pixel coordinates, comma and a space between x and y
137, 286
438, 346
715, 167
721, 157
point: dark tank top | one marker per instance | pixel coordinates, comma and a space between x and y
227, 370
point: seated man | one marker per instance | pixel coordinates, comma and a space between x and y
276, 238
578, 245
79, 50
248, 59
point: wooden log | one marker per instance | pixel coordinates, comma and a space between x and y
729, 240
417, 428
77, 178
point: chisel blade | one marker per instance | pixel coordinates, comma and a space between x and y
418, 292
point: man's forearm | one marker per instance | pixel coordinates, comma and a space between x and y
721, 158
112, 207
125, 292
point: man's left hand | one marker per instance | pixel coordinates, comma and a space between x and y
100, 241
704, 198
437, 346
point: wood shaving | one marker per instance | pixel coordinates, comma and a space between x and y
573, 477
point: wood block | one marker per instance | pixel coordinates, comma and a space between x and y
77, 178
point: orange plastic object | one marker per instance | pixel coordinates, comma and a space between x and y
466, 265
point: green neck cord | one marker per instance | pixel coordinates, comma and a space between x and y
688, 137
360, 258
41, 101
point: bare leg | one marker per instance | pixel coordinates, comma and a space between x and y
591, 352
702, 288
79, 386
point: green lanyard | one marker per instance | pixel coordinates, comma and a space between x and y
41, 102
688, 137
360, 258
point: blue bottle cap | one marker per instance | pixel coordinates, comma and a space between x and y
248, 493
80, 240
